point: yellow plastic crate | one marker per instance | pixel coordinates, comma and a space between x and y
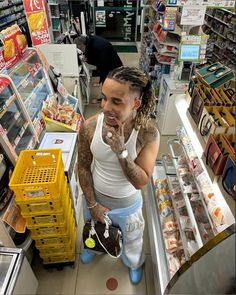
65, 257
59, 257
56, 218
58, 240
41, 207
32, 208
42, 232
58, 249
37, 175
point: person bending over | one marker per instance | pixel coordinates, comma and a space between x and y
100, 53
116, 156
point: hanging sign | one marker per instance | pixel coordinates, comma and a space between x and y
193, 15
210, 3
37, 21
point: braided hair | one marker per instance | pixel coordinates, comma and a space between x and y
137, 82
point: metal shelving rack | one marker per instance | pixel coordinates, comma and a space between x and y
223, 35
11, 13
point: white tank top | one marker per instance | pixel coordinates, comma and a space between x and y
108, 177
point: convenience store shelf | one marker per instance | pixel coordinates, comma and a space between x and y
10, 5
168, 40
182, 103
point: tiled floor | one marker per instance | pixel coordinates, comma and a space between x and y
91, 279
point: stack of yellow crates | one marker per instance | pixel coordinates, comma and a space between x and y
41, 190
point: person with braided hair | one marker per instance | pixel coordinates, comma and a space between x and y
116, 156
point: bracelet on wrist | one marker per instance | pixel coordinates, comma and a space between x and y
93, 206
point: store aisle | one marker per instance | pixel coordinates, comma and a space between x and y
101, 276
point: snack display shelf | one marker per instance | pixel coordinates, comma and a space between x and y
199, 188
161, 273
29, 85
15, 117
37, 88
212, 16
3, 25
8, 104
166, 53
191, 273
226, 201
196, 230
11, 5
26, 142
168, 40
5, 15
170, 178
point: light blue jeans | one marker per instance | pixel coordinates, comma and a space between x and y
131, 222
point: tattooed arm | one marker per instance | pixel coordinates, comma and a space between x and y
85, 159
138, 172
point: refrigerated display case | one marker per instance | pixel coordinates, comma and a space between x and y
191, 220
23, 89
16, 275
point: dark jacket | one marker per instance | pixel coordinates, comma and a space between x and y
100, 53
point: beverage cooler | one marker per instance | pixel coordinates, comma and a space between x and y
190, 219
16, 275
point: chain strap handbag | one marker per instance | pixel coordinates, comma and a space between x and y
103, 237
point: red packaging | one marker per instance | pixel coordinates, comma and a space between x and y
37, 21
21, 42
10, 49
2, 61
4, 82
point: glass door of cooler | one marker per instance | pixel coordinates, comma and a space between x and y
10, 266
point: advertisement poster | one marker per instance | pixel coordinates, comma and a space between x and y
169, 20
37, 21
210, 3
193, 15
100, 18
